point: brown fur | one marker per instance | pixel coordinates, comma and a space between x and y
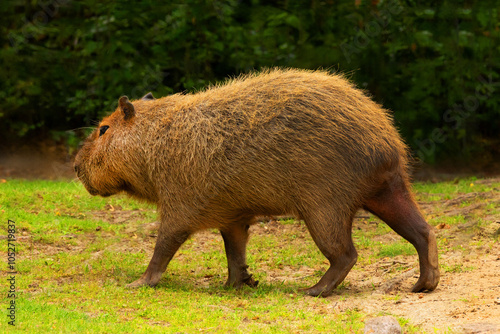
306, 143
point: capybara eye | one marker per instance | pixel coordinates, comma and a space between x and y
103, 129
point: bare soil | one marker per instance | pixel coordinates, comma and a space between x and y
462, 298
49, 163
467, 299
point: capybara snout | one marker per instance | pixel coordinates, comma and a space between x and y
282, 141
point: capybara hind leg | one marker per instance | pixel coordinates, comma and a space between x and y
395, 206
333, 238
167, 244
235, 242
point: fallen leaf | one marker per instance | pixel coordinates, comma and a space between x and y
442, 226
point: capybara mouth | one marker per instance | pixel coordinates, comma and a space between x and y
91, 190
95, 192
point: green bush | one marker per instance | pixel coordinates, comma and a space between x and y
66, 62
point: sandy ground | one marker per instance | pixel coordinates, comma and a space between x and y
463, 299
467, 299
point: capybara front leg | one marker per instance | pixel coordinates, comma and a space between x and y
167, 244
235, 242
333, 238
395, 206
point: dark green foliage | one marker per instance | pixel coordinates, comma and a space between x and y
66, 62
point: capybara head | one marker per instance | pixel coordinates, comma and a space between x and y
106, 160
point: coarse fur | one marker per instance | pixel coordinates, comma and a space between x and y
281, 141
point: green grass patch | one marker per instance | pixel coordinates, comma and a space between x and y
456, 268
395, 249
447, 190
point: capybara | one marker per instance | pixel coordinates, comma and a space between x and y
282, 141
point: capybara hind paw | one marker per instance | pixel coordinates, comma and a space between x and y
425, 285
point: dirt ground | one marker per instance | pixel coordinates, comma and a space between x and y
466, 300
42, 164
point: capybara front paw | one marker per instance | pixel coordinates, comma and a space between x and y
250, 281
238, 283
316, 291
138, 283
146, 280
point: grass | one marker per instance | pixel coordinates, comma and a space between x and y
395, 249
76, 253
455, 268
433, 192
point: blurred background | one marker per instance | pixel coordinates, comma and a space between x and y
65, 63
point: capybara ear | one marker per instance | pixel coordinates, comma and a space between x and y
126, 107
148, 96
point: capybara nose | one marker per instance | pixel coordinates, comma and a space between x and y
76, 168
